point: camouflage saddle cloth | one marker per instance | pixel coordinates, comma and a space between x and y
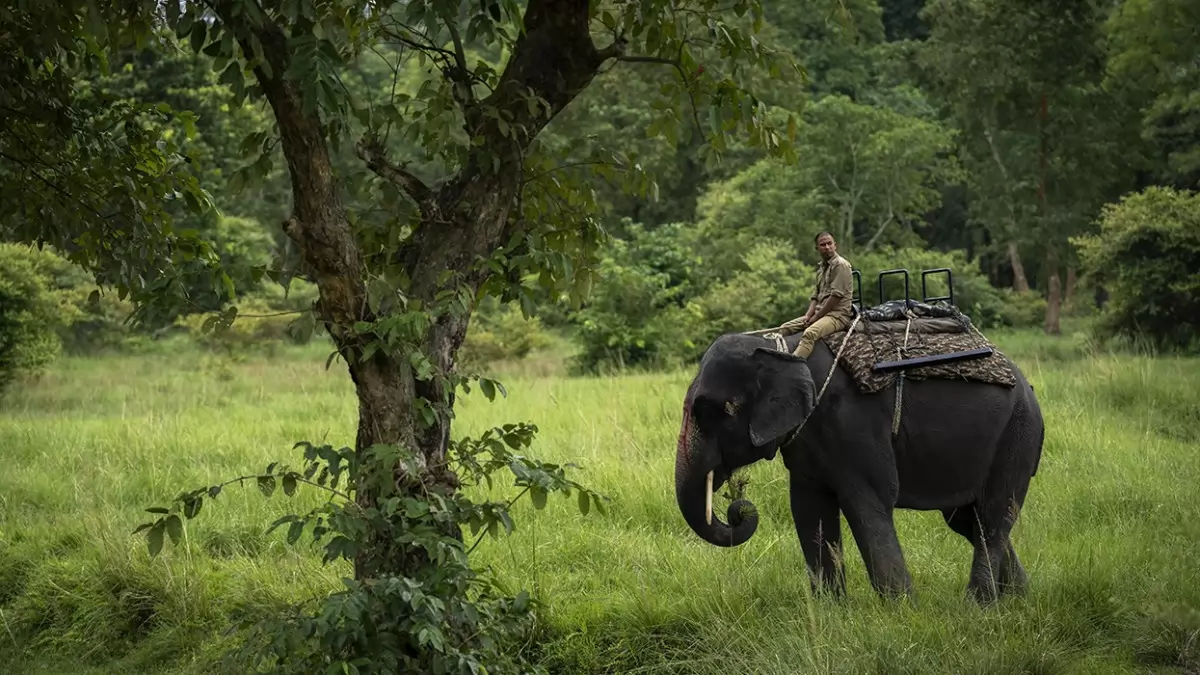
881, 335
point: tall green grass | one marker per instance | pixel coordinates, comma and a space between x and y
1110, 534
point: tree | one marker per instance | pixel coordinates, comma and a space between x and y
867, 174
876, 168
1040, 136
1153, 57
396, 296
94, 176
1146, 254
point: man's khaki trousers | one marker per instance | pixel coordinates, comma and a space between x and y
826, 325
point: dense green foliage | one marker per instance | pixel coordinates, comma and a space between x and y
1147, 254
32, 311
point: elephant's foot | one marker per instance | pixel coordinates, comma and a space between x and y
1005, 576
1013, 579
896, 588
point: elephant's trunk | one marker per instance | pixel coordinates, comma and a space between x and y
696, 462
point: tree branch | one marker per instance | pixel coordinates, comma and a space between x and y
54, 186
460, 55
370, 152
682, 75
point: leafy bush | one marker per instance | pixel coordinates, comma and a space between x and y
242, 245
501, 332
99, 321
973, 294
32, 311
636, 316
267, 317
774, 287
1022, 309
1146, 255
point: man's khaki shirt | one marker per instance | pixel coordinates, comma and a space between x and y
834, 278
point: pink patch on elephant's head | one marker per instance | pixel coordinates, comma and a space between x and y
687, 432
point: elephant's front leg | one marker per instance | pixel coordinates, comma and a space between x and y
870, 520
818, 524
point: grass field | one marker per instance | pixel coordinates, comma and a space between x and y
1110, 535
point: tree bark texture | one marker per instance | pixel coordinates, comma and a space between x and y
1053, 296
463, 221
1020, 281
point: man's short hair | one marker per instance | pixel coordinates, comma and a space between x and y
822, 233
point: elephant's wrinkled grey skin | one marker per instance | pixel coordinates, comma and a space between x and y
967, 449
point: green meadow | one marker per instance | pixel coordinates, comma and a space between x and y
1110, 534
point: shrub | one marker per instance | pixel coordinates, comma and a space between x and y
500, 332
1146, 255
266, 317
1022, 309
636, 316
973, 294
100, 320
32, 311
774, 287
242, 244
639, 312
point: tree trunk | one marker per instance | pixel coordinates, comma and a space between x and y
1020, 281
461, 224
1053, 296
1069, 289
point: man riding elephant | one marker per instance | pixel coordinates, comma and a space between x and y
829, 307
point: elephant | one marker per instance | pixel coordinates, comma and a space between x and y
966, 448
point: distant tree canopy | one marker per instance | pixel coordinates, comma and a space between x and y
1147, 254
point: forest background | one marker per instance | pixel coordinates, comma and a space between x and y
986, 141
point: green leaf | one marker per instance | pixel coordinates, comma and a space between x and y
538, 495
266, 485
585, 502
174, 528
199, 35
294, 531
302, 328
154, 540
289, 484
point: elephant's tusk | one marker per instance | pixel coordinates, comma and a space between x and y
708, 500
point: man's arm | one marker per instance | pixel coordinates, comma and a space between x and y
840, 287
812, 307
826, 307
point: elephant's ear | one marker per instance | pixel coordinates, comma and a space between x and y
786, 396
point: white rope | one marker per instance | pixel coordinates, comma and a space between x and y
782, 346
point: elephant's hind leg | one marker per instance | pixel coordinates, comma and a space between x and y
819, 527
995, 568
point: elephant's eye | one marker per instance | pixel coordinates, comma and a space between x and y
708, 413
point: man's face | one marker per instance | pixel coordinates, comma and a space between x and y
826, 247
